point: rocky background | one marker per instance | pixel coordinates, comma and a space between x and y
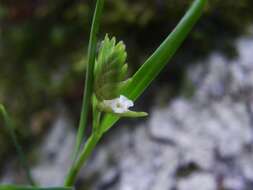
199, 132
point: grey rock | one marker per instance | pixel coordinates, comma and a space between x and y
203, 181
234, 183
55, 153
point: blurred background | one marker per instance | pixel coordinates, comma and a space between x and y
198, 135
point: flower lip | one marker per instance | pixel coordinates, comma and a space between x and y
119, 105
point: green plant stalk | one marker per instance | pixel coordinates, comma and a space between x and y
88, 148
19, 149
156, 62
89, 76
84, 155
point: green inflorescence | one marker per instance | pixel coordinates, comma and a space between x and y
110, 69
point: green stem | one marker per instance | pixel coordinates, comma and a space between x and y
84, 155
19, 149
89, 76
89, 147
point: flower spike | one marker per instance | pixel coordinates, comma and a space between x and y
110, 79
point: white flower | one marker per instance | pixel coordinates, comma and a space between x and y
119, 105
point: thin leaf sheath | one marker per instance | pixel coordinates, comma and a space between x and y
89, 75
71, 175
156, 62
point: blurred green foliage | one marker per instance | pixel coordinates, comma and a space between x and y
43, 45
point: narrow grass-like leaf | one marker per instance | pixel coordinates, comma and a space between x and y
89, 76
152, 67
21, 155
15, 187
70, 178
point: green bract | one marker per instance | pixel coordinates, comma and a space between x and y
110, 69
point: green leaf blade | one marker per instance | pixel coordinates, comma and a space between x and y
87, 94
153, 66
88, 90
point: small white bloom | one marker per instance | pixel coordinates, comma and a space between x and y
119, 105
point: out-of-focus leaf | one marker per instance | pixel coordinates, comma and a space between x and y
21, 155
14, 187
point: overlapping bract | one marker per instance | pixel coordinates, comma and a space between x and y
110, 69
